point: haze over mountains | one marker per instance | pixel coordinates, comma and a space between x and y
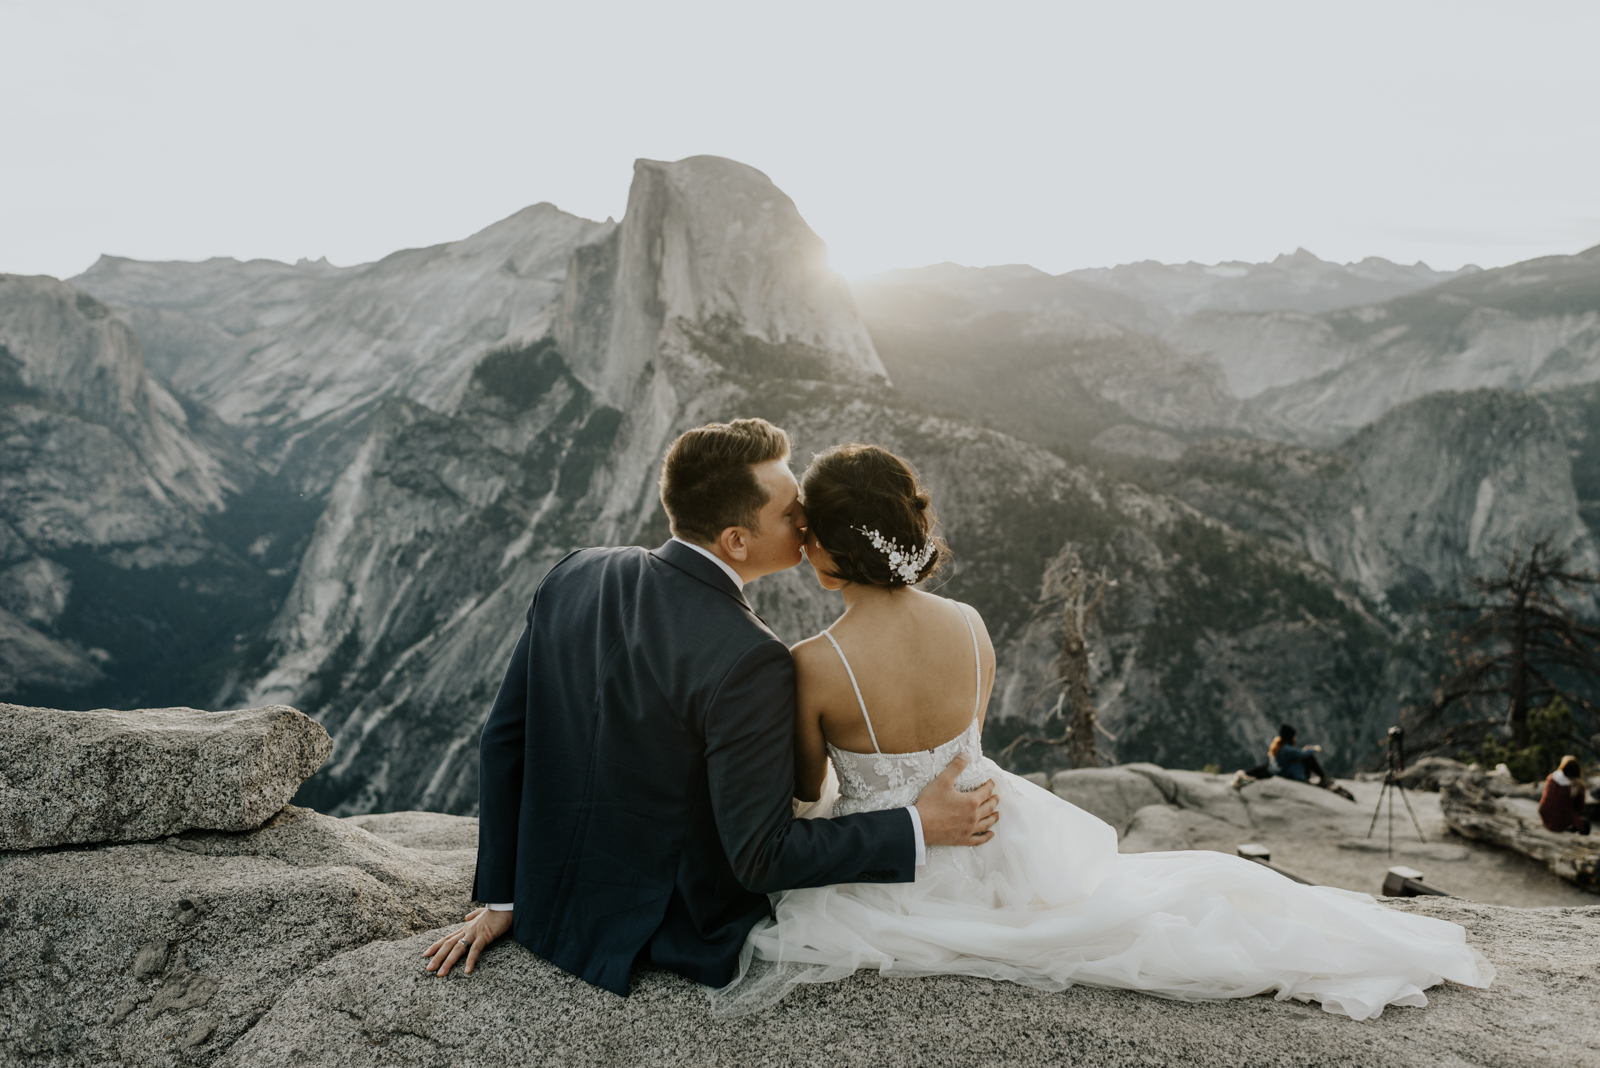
233, 483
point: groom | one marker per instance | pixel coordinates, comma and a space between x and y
637, 768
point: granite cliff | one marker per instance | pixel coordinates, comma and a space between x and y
277, 346
1412, 506
123, 577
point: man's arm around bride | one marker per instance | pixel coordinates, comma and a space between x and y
637, 769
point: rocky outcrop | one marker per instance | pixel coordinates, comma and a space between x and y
142, 931
309, 952
68, 778
1431, 773
1156, 829
374, 1007
1472, 810
166, 952
1112, 794
1155, 808
299, 942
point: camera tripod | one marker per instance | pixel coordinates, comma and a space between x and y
1394, 763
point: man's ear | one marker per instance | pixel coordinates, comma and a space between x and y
732, 543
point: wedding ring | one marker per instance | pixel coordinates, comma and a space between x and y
462, 942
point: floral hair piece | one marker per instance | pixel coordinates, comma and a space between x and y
903, 562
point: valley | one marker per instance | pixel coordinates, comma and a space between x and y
231, 484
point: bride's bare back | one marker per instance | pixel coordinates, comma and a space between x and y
913, 660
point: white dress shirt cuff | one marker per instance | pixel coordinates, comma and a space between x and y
508, 905
916, 833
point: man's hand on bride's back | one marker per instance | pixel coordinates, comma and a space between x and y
951, 817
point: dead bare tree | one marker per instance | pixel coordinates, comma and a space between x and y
1080, 594
1519, 642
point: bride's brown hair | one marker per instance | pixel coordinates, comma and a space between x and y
851, 488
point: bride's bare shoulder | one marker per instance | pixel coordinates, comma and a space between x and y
976, 619
815, 667
810, 652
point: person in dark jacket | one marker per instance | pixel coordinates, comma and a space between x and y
1286, 759
1561, 804
1293, 762
636, 773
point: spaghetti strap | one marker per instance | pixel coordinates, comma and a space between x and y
977, 700
859, 700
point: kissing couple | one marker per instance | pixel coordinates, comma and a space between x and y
644, 765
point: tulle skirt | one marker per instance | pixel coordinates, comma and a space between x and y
1049, 902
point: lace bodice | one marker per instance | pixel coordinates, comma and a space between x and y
870, 782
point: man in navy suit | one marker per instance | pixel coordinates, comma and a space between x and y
637, 769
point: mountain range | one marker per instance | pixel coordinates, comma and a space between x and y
231, 483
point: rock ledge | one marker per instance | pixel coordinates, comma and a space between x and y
74, 778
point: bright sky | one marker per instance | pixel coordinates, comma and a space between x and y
1061, 134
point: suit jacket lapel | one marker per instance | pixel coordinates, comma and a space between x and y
692, 563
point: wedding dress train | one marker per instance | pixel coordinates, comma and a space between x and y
1049, 902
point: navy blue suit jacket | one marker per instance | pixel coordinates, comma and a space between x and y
636, 771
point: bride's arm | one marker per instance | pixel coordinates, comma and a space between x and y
810, 754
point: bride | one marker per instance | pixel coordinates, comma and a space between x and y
893, 691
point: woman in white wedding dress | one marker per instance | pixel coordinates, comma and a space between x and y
1049, 901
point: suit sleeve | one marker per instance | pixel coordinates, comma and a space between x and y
750, 768
500, 759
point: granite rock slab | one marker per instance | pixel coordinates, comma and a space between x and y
1112, 794
1156, 829
374, 1007
165, 953
74, 778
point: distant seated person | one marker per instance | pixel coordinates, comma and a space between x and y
1561, 806
1289, 761
1284, 758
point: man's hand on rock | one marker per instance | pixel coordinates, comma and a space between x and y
952, 817
483, 926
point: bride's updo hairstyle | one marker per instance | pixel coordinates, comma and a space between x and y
854, 488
